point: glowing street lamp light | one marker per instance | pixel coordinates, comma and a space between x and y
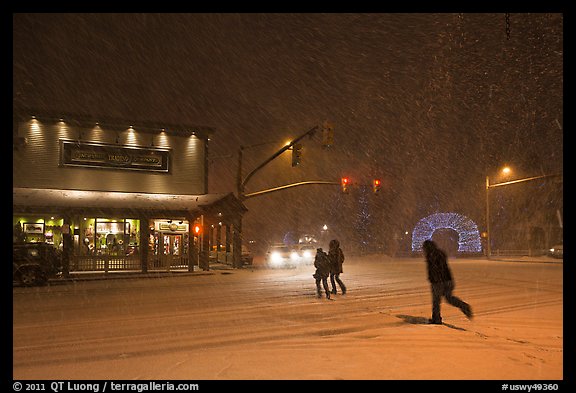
506, 171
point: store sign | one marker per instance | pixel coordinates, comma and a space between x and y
102, 155
172, 226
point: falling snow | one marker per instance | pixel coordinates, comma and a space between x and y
430, 104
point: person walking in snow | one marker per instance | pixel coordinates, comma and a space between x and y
441, 281
322, 265
336, 257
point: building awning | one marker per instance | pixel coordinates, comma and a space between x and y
37, 200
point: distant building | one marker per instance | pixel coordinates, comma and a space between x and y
117, 196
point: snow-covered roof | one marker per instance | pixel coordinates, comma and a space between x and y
30, 199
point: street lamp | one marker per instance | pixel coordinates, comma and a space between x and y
323, 234
506, 170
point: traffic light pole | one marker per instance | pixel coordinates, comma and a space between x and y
241, 184
279, 188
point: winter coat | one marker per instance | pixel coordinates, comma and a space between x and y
322, 265
438, 270
336, 257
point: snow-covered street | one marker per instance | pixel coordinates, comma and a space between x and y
254, 324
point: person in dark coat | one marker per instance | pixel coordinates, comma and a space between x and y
322, 265
441, 281
336, 257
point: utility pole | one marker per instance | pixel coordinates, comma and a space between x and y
488, 187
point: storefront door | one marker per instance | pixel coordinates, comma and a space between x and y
169, 242
172, 249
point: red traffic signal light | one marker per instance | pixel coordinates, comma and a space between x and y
376, 184
197, 229
345, 183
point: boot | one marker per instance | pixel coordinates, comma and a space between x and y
343, 288
467, 310
334, 292
328, 295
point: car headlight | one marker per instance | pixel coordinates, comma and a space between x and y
275, 257
307, 254
294, 255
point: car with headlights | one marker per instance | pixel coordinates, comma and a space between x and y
556, 251
307, 253
282, 256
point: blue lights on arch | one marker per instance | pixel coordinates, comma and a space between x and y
469, 236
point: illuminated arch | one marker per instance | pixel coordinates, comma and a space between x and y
469, 236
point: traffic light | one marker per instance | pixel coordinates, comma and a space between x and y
376, 184
296, 154
345, 183
197, 229
327, 134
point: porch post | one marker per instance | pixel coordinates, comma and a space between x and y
144, 239
67, 244
204, 260
237, 244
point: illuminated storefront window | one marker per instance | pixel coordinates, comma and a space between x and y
38, 229
107, 236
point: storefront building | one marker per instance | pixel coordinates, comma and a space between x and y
118, 197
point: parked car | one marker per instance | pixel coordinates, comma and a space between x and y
281, 255
223, 257
556, 251
35, 263
247, 257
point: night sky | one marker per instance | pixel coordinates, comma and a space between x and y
429, 103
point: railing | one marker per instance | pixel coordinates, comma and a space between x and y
106, 263
220, 257
518, 253
167, 262
495, 253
